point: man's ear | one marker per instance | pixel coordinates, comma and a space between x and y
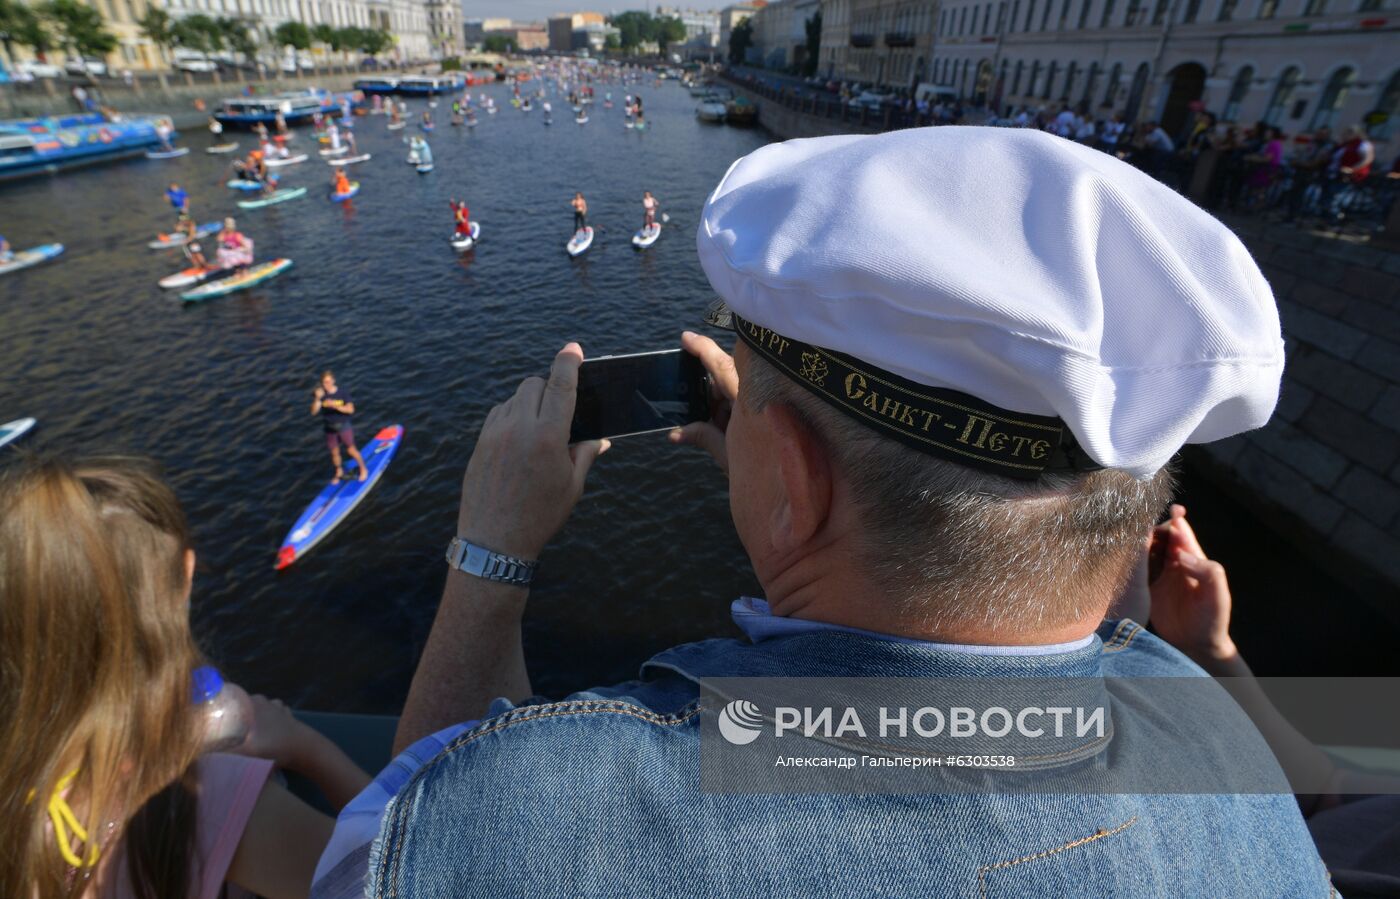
804, 478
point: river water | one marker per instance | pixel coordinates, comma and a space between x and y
220, 393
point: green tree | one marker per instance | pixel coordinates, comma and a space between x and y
19, 25
740, 40
323, 34
374, 41
80, 28
292, 34
814, 44
670, 30
157, 26
499, 43
199, 33
611, 42
634, 28
237, 37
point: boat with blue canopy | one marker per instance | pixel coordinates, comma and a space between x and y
52, 144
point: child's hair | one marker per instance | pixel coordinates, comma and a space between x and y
95, 664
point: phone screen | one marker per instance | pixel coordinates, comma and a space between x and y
637, 394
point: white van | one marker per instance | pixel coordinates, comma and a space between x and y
935, 93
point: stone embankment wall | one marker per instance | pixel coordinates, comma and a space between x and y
172, 94
1326, 470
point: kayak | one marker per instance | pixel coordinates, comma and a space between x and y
26, 258
582, 120
425, 168
11, 431
335, 151
222, 148
167, 154
244, 184
167, 241
188, 277
354, 189
277, 196
349, 160
336, 501
273, 163
466, 243
645, 237
580, 242
395, 126
241, 281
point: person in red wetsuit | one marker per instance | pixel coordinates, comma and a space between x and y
1355, 156
462, 216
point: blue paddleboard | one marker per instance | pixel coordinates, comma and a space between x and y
335, 503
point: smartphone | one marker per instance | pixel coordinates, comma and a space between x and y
619, 396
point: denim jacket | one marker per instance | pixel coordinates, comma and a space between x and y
599, 795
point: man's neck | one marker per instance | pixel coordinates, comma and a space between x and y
816, 589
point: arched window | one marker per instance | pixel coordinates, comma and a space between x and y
1107, 14
1334, 97
1084, 14
1016, 79
1193, 9
1030, 13
1389, 106
1045, 15
1315, 8
1050, 80
1071, 72
1283, 95
1115, 76
1238, 91
1064, 14
1267, 8
1134, 104
1159, 12
1087, 100
1035, 79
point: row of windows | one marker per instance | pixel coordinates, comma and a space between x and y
1080, 85
956, 22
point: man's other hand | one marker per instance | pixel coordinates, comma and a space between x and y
524, 479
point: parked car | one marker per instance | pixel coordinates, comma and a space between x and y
85, 66
872, 100
190, 61
33, 68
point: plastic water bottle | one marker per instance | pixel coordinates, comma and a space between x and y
225, 708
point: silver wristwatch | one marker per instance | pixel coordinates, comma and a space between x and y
491, 566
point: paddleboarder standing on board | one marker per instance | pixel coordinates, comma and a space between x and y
580, 213
649, 207
335, 407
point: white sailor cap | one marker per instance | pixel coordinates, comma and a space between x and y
999, 297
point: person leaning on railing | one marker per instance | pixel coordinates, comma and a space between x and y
946, 435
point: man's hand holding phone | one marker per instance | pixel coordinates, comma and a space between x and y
524, 478
724, 390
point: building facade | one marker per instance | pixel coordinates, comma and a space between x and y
780, 33
731, 16
444, 27
562, 27
880, 42
1296, 64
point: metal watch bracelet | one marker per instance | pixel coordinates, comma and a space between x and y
488, 564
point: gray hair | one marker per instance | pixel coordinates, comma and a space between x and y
954, 546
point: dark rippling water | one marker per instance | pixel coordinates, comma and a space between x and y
219, 392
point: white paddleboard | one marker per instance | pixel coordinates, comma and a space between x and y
349, 160
580, 242
425, 168
222, 148
167, 154
335, 151
645, 237
466, 243
290, 160
395, 126
11, 431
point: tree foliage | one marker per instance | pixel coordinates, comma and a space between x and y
157, 27
199, 32
814, 44
238, 37
20, 25
372, 41
292, 34
323, 34
636, 28
79, 28
499, 43
740, 40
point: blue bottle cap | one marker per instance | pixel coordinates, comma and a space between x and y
207, 683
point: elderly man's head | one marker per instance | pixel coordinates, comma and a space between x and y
944, 545
967, 388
